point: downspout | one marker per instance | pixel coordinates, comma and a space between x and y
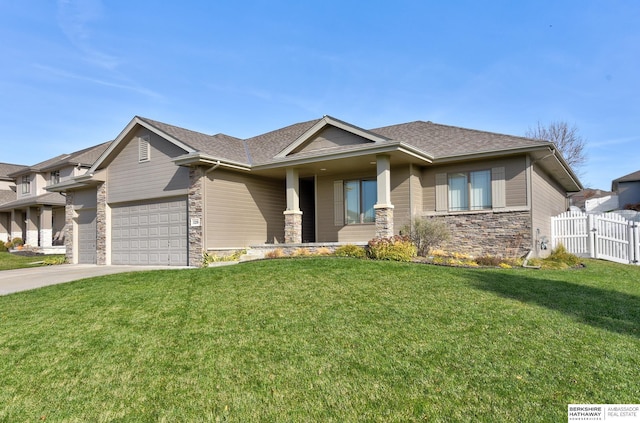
214, 167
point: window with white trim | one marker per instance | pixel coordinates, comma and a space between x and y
26, 184
144, 149
470, 190
54, 177
359, 198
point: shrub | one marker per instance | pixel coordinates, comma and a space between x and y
214, 258
323, 251
50, 261
17, 242
8, 245
398, 248
489, 261
350, 250
561, 255
277, 253
3, 246
301, 252
426, 234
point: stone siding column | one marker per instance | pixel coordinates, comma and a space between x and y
101, 224
197, 186
68, 226
292, 227
384, 221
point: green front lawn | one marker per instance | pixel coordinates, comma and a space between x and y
322, 339
10, 261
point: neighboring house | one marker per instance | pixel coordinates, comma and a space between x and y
628, 189
7, 195
160, 194
594, 200
36, 215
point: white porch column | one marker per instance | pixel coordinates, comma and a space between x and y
293, 214
32, 227
46, 226
383, 207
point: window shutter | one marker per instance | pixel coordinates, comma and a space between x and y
441, 192
143, 149
498, 192
338, 203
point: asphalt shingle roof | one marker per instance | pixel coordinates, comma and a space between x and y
220, 145
447, 141
7, 168
632, 177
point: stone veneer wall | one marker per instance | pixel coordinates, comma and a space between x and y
68, 227
506, 234
384, 222
292, 227
197, 180
101, 224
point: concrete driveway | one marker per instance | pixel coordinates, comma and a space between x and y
24, 279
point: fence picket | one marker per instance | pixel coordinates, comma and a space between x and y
607, 236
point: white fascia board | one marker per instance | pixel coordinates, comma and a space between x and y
321, 124
197, 158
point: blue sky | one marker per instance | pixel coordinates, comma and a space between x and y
75, 72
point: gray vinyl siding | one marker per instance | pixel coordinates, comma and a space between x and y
401, 196
85, 198
331, 137
628, 193
417, 203
515, 180
130, 180
549, 200
242, 210
327, 229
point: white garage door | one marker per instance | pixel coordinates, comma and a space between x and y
87, 236
150, 233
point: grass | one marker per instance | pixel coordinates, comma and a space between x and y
322, 339
10, 261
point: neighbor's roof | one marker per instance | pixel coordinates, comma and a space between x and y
6, 196
632, 177
84, 157
7, 169
50, 199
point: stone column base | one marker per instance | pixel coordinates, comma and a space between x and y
292, 227
384, 220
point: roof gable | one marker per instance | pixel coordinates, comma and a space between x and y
170, 133
347, 134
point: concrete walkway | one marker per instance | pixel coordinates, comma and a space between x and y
25, 279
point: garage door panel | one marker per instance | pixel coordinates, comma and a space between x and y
154, 233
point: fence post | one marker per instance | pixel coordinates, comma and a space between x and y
635, 243
592, 236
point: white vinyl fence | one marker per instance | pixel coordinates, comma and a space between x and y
607, 236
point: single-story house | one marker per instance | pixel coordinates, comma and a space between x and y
160, 194
36, 215
628, 189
